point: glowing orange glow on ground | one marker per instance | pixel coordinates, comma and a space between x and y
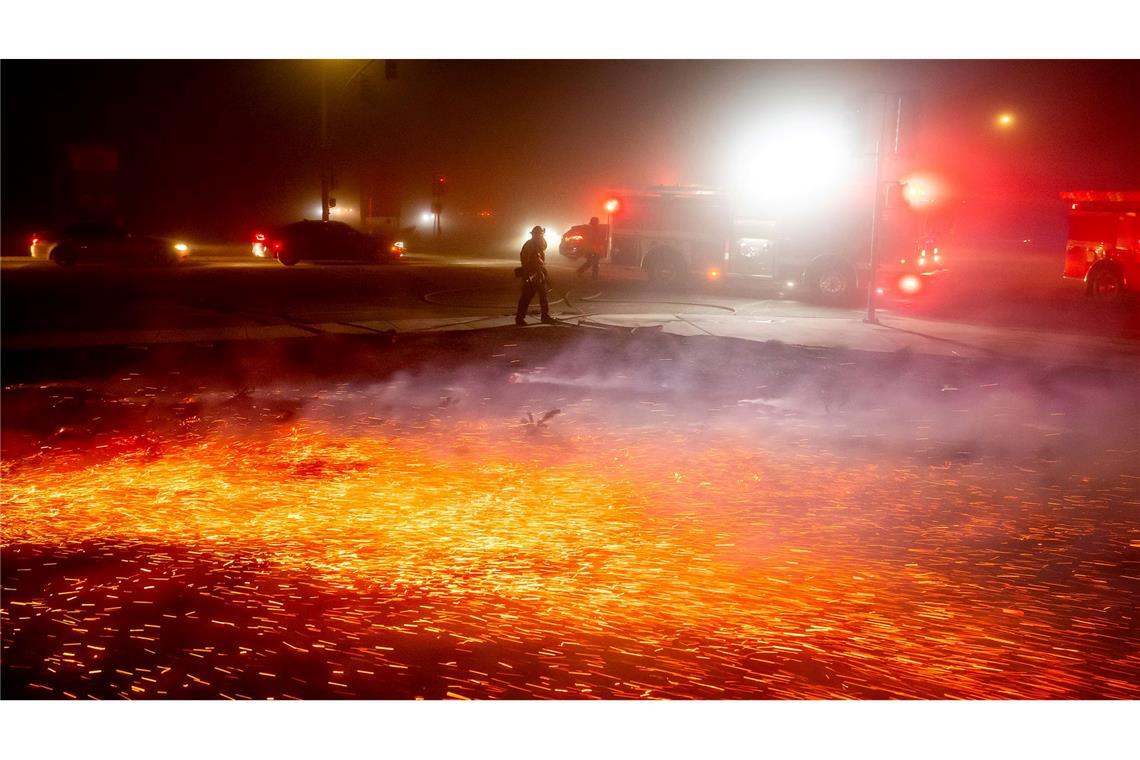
598, 564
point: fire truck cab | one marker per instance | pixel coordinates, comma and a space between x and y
1103, 249
678, 233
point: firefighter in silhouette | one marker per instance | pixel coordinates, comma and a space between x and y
534, 277
595, 248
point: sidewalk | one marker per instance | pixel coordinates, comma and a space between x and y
894, 333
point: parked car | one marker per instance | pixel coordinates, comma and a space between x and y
95, 242
325, 241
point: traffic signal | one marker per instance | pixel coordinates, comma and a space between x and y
895, 195
612, 205
438, 185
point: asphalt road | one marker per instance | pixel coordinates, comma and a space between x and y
226, 287
556, 513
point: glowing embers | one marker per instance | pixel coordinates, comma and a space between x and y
455, 560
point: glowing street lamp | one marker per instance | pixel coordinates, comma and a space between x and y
1004, 120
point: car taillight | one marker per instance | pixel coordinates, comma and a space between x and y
279, 245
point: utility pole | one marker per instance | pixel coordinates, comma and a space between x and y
325, 179
873, 276
326, 151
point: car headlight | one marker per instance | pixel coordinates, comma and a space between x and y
182, 248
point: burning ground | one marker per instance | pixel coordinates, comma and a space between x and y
557, 515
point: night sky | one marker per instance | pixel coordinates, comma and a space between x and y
215, 148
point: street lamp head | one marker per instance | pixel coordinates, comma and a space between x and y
1004, 120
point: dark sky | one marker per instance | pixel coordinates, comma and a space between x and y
215, 148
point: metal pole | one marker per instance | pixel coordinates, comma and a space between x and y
874, 273
324, 144
609, 236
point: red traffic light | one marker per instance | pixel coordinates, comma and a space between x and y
612, 205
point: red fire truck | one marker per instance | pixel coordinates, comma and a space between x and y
679, 233
1103, 250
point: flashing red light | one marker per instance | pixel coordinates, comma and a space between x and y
278, 245
910, 284
35, 240
612, 205
259, 237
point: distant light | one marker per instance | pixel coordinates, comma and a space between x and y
714, 274
792, 160
790, 284
550, 228
612, 205
878, 291
921, 191
181, 247
427, 216
910, 284
1005, 120
486, 214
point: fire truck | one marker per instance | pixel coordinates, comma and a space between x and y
1103, 250
679, 234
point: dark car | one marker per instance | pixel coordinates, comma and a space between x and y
326, 241
96, 242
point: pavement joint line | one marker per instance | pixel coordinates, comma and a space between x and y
692, 324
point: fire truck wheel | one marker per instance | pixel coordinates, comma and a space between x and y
832, 282
665, 266
1105, 284
287, 259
